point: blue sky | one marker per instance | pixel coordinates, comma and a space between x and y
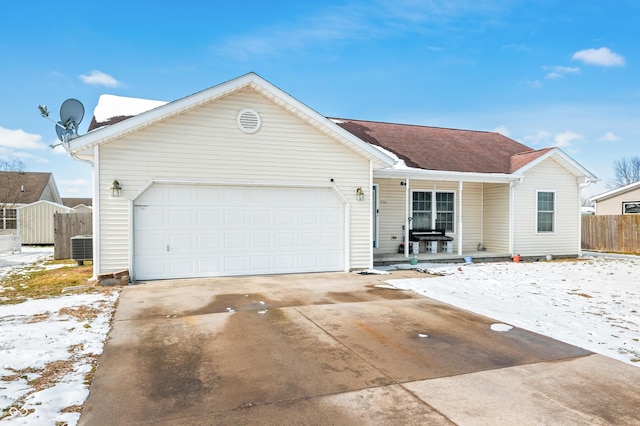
543, 72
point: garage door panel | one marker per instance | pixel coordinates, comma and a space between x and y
207, 218
209, 241
216, 231
261, 240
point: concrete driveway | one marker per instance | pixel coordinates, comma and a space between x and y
335, 349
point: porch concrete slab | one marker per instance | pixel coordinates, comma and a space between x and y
592, 390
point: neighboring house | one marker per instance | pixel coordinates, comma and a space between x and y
18, 189
80, 205
241, 179
623, 200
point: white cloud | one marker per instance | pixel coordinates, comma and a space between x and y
609, 137
566, 139
98, 78
20, 139
502, 129
558, 71
602, 56
540, 138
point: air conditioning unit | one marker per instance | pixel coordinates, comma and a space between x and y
82, 248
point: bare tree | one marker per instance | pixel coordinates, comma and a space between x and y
627, 171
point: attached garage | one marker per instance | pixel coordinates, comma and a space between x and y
200, 230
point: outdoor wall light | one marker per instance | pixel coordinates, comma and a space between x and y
359, 194
116, 188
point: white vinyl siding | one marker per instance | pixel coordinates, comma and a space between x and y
391, 217
496, 217
547, 176
472, 216
206, 145
614, 205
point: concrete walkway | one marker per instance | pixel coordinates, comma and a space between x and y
337, 349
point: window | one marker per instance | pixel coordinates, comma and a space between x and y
8, 219
433, 210
631, 207
546, 211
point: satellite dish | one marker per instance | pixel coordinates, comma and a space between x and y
71, 114
63, 134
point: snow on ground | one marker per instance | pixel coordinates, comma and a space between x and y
593, 302
47, 347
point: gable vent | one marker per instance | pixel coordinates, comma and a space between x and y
249, 121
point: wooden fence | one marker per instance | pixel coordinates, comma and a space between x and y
609, 233
67, 225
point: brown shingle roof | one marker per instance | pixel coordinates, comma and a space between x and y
22, 187
73, 202
435, 148
520, 160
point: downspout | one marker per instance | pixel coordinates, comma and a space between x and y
460, 218
482, 216
512, 213
581, 186
407, 218
96, 206
96, 213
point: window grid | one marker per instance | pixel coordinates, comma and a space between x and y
546, 211
423, 212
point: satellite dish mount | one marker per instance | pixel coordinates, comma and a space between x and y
71, 115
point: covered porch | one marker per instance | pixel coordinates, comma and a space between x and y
473, 210
382, 259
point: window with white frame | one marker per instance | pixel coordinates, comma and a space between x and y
8, 219
433, 210
546, 208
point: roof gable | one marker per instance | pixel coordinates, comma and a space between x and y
435, 148
82, 147
25, 187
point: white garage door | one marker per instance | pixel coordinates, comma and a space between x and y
185, 231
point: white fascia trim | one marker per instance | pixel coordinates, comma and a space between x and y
578, 169
320, 122
147, 118
446, 175
616, 191
268, 90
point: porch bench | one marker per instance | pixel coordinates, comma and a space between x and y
432, 237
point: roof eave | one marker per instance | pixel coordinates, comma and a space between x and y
82, 146
422, 174
574, 167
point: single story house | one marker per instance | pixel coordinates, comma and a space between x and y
623, 200
242, 178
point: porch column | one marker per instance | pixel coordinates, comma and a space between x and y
406, 215
460, 218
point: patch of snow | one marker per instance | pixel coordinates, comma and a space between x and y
373, 272
501, 327
110, 106
592, 302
